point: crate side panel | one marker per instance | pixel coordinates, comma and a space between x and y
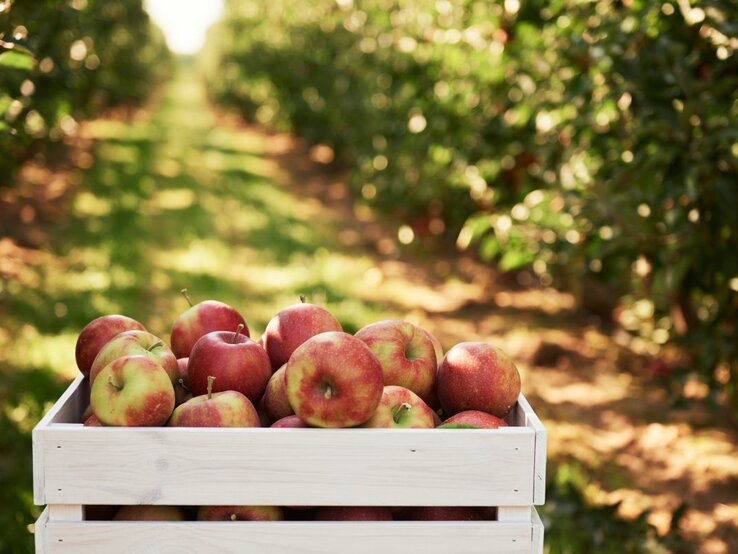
64, 410
532, 421
289, 466
537, 533
289, 537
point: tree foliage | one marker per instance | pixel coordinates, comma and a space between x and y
594, 143
64, 60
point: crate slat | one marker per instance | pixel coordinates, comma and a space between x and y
421, 467
291, 537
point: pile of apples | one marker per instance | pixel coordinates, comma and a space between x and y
304, 371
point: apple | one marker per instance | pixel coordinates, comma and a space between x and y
129, 343
149, 513
132, 391
475, 418
406, 352
293, 326
236, 362
441, 513
182, 391
401, 408
92, 421
96, 333
221, 409
353, 513
240, 513
275, 403
334, 380
477, 376
200, 319
291, 421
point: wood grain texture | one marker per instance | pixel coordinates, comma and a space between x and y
539, 464
39, 532
538, 531
287, 537
67, 409
103, 465
513, 513
288, 466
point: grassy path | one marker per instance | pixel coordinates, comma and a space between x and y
182, 197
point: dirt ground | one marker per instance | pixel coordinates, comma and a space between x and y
590, 386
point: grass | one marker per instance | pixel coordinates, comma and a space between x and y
170, 201
177, 199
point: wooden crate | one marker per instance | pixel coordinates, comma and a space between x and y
76, 466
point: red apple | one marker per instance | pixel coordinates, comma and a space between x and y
96, 333
149, 513
441, 513
293, 326
475, 418
221, 409
201, 319
291, 421
406, 352
129, 343
401, 408
334, 380
182, 391
275, 403
92, 421
236, 362
240, 513
132, 391
353, 513
477, 376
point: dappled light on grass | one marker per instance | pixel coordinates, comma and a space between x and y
182, 197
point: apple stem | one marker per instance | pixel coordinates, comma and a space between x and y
157, 344
238, 332
187, 297
210, 386
113, 383
302, 298
233, 517
397, 412
183, 385
328, 392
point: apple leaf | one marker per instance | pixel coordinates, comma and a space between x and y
17, 60
458, 426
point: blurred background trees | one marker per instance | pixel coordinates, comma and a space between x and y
62, 61
589, 145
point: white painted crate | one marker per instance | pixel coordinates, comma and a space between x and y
76, 466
